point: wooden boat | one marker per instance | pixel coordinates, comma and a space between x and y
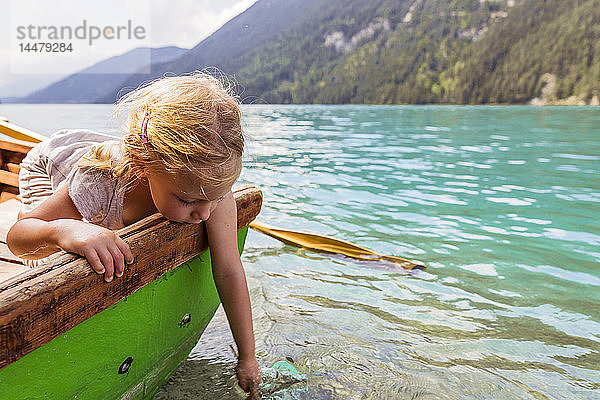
65, 333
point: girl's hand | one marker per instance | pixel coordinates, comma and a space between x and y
248, 374
105, 251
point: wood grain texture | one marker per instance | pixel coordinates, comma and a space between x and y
12, 153
9, 178
6, 255
11, 157
12, 167
8, 193
43, 303
16, 145
11, 269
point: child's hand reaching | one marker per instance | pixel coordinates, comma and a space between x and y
248, 374
106, 252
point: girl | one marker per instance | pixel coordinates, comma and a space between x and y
180, 155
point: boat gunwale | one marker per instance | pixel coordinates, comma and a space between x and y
38, 305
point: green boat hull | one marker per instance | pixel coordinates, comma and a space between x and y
152, 331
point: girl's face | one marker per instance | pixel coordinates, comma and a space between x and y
184, 198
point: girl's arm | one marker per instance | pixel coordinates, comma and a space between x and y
56, 225
230, 281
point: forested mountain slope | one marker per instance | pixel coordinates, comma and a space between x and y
403, 51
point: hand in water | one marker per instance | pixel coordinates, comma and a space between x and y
248, 374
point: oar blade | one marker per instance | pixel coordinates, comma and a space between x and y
329, 244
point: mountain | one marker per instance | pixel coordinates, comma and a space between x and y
263, 22
21, 85
406, 51
92, 83
397, 51
433, 51
542, 52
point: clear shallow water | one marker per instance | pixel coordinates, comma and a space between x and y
501, 203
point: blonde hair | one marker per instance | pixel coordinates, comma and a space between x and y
194, 124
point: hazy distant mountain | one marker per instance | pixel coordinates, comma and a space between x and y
23, 84
92, 83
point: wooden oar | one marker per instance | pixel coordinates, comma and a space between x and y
18, 132
329, 244
311, 241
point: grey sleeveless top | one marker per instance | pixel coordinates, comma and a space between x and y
97, 195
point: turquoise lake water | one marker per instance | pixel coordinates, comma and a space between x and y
501, 203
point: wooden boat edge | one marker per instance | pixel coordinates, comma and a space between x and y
41, 304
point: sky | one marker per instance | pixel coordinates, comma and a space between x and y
182, 23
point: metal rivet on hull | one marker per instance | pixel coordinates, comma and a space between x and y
125, 366
187, 318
